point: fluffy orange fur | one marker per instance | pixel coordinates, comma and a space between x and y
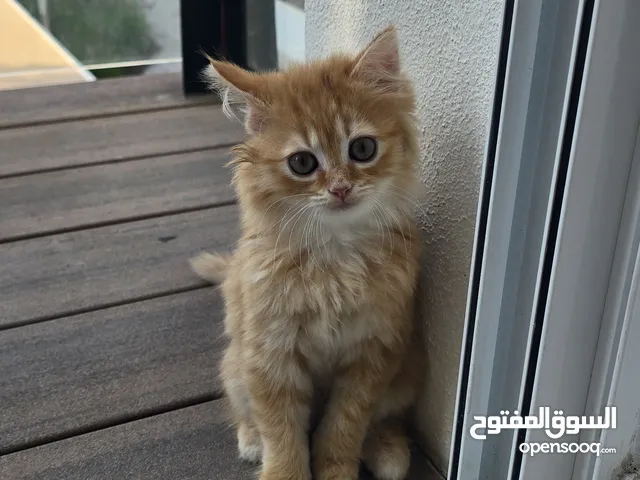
319, 292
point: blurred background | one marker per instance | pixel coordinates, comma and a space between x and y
49, 42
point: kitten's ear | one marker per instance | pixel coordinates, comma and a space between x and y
237, 86
379, 62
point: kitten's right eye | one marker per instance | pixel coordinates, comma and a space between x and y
303, 163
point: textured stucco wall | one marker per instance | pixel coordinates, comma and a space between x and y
450, 50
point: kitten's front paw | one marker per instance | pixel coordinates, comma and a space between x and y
330, 460
249, 444
285, 474
250, 452
335, 470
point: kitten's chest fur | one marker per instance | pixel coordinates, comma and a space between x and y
324, 302
323, 306
324, 283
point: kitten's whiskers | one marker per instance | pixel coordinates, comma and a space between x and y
297, 214
275, 203
398, 223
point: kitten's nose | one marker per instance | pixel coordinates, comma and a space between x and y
340, 191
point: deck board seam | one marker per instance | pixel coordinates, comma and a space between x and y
115, 221
103, 115
197, 285
114, 422
115, 161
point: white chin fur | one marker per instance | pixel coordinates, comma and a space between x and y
354, 214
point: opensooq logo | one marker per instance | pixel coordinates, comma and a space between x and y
555, 426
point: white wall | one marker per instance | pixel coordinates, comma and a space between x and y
450, 50
290, 37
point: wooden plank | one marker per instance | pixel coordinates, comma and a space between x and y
61, 200
59, 145
59, 274
102, 367
101, 98
192, 443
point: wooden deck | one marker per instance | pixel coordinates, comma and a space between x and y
109, 345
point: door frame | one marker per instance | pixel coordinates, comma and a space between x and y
240, 31
554, 188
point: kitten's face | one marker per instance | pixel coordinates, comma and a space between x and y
333, 140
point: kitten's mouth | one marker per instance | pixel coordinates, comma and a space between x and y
341, 206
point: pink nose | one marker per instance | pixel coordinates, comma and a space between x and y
340, 192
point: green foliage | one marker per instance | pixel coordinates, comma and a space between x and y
100, 31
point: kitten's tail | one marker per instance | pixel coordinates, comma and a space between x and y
211, 267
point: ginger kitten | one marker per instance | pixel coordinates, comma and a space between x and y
319, 291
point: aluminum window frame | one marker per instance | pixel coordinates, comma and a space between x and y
520, 177
600, 164
525, 313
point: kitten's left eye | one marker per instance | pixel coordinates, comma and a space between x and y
303, 163
363, 149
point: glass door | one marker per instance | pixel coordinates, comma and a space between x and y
48, 42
